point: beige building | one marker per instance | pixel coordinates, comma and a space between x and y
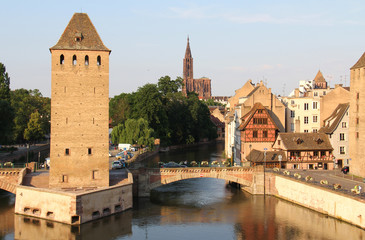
357, 118
80, 103
241, 103
336, 126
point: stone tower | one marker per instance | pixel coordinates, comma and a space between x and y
319, 81
357, 118
79, 108
188, 70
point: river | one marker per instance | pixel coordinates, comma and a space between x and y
191, 209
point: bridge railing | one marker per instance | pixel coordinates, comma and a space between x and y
12, 165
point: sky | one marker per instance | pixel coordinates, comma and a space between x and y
280, 42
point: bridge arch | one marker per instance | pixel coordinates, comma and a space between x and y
149, 179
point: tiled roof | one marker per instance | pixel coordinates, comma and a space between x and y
216, 121
271, 156
247, 117
360, 63
80, 34
319, 77
305, 141
335, 118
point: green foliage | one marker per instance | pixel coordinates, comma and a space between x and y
25, 102
6, 110
134, 132
4, 83
175, 119
34, 131
211, 102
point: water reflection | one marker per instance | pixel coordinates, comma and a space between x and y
190, 209
118, 225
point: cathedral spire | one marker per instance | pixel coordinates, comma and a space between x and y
188, 52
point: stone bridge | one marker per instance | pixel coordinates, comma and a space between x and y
10, 178
250, 179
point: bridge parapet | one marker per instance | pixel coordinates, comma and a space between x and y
11, 177
150, 178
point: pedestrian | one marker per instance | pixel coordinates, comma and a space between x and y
359, 189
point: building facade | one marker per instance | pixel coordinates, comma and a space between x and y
79, 108
201, 86
305, 150
357, 117
257, 131
336, 126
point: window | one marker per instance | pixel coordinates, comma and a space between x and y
305, 120
315, 105
305, 130
315, 130
259, 111
306, 106
324, 92
89, 151
95, 174
292, 102
292, 127
98, 61
357, 95
342, 150
254, 134
64, 178
357, 120
315, 153
279, 142
323, 153
62, 59
86, 60
74, 60
292, 114
357, 135
315, 118
67, 151
315, 94
342, 137
260, 121
264, 133
344, 125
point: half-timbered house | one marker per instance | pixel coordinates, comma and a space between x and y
258, 131
305, 150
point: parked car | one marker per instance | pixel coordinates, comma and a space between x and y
345, 170
172, 165
122, 155
117, 165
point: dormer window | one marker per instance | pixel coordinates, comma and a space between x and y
298, 140
78, 37
319, 141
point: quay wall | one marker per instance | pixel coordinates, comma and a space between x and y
74, 207
326, 201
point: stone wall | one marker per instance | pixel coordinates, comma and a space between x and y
334, 204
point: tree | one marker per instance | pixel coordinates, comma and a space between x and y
119, 108
134, 131
167, 86
34, 131
25, 102
6, 110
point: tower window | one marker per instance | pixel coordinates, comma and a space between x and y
98, 61
64, 178
62, 59
86, 60
89, 151
67, 151
74, 61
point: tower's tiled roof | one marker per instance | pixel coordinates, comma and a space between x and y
360, 63
80, 34
319, 77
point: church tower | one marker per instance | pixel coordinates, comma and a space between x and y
188, 70
79, 108
357, 118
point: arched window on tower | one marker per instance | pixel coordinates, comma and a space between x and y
86, 60
74, 61
98, 61
62, 59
